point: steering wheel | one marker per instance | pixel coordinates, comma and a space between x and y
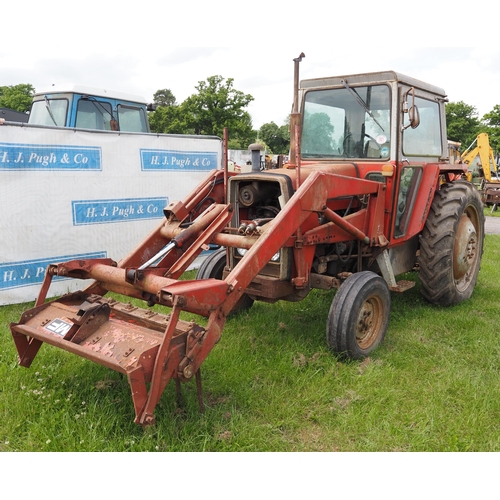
365, 149
349, 136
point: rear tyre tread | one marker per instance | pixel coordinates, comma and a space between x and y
437, 243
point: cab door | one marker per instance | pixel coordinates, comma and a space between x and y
420, 150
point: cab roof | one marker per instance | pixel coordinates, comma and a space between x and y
377, 77
91, 91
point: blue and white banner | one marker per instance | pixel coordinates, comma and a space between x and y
156, 159
32, 272
36, 157
106, 211
66, 192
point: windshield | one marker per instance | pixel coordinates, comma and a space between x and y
349, 122
49, 112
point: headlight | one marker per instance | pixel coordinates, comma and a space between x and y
242, 251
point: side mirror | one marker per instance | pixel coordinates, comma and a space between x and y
413, 114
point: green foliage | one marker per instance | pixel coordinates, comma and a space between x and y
241, 135
242, 142
318, 135
277, 139
462, 123
17, 97
491, 126
164, 97
216, 106
167, 120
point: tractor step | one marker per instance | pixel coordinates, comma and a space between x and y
402, 286
122, 337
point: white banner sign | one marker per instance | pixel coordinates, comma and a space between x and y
68, 194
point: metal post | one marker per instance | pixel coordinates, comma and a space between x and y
255, 149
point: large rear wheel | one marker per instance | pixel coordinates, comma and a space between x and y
359, 315
451, 244
212, 267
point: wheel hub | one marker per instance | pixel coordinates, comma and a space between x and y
368, 322
465, 248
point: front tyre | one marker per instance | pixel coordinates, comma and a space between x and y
359, 315
451, 244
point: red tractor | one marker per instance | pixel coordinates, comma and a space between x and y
369, 194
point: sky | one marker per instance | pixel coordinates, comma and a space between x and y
149, 46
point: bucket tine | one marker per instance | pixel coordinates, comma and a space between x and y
199, 391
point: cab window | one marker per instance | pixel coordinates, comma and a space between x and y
408, 187
348, 122
132, 119
92, 114
49, 112
424, 140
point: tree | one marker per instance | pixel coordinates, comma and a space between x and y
167, 120
318, 133
276, 138
241, 133
491, 122
217, 105
164, 97
17, 97
462, 123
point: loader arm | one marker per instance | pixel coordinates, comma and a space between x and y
151, 348
311, 197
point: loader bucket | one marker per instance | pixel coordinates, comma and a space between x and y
150, 348
144, 345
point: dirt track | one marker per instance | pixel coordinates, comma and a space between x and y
492, 225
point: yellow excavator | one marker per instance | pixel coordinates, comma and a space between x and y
485, 170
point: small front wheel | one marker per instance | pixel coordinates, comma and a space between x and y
213, 267
359, 315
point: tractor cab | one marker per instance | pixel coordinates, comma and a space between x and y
391, 127
383, 116
78, 106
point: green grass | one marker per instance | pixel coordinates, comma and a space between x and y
271, 384
491, 211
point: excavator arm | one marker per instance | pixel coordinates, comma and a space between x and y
486, 157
